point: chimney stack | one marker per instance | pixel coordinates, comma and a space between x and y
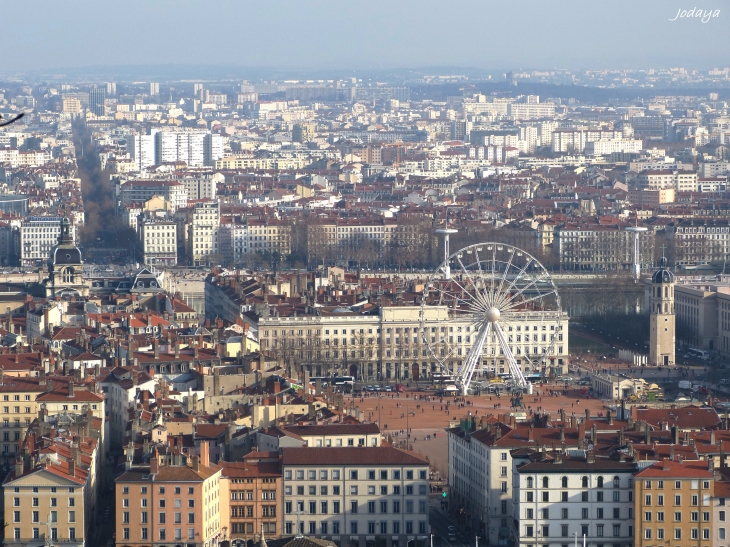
71, 389
531, 434
154, 463
204, 454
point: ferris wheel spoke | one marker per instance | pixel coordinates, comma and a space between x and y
537, 297
522, 290
505, 295
506, 273
477, 293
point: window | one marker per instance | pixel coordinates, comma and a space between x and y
677, 533
353, 527
564, 513
546, 496
564, 482
721, 516
721, 533
529, 496
529, 531
660, 499
647, 533
617, 482
647, 516
616, 495
677, 516
584, 512
616, 530
564, 529
705, 533
353, 474
660, 516
660, 533
563, 496
647, 499
600, 482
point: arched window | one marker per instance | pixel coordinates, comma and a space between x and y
600, 482
544, 482
616, 482
564, 482
584, 482
666, 292
529, 482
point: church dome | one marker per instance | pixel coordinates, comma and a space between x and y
65, 252
662, 275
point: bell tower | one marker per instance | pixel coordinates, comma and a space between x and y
663, 319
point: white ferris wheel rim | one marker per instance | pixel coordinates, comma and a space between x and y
493, 295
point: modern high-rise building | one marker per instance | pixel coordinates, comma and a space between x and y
97, 96
154, 88
212, 148
187, 146
142, 150
111, 88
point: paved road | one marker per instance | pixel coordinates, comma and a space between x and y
440, 523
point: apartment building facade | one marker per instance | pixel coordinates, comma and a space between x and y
46, 503
159, 242
203, 233
564, 496
38, 235
252, 491
139, 191
356, 495
674, 504
169, 502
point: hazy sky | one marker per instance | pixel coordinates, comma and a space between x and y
53, 34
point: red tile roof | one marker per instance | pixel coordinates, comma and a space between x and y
365, 455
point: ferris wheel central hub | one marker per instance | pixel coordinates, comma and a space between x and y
492, 314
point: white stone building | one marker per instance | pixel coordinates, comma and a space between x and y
357, 495
561, 496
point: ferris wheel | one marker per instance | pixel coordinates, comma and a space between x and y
493, 303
